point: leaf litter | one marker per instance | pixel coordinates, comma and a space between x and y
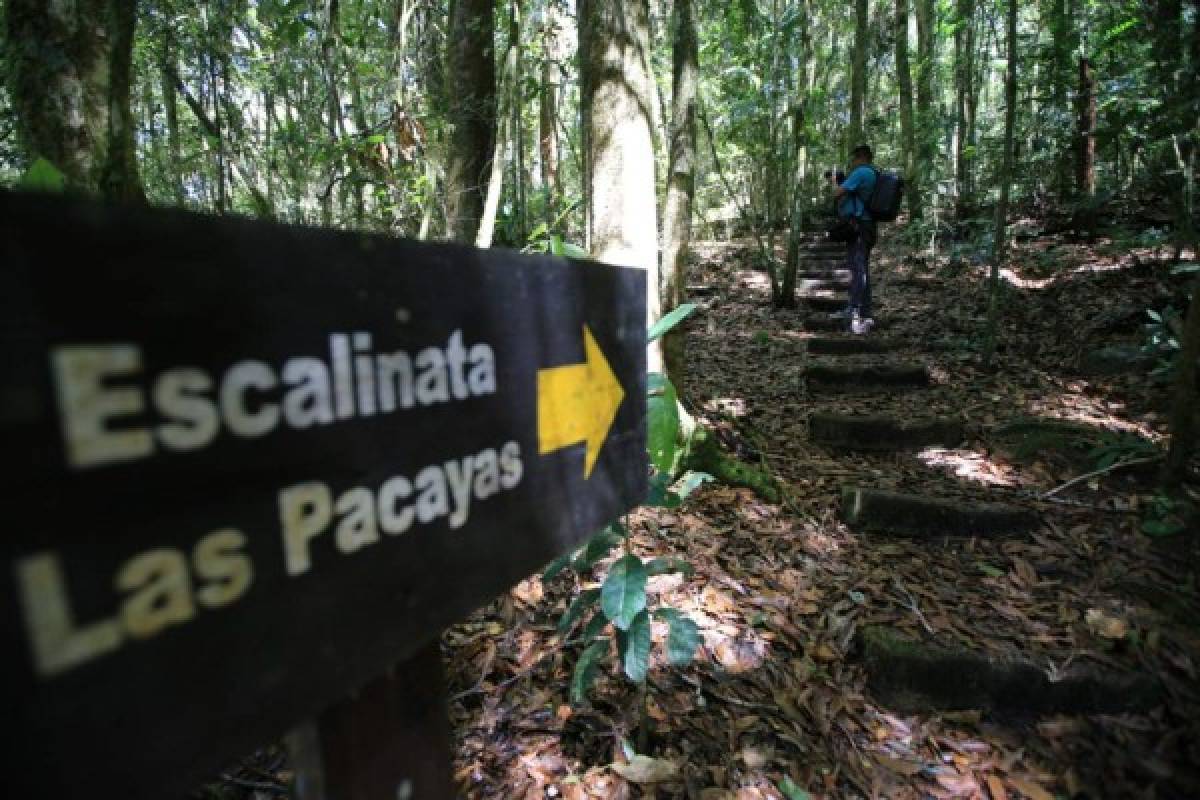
775, 704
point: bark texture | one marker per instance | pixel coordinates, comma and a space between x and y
858, 83
907, 131
69, 70
1086, 163
681, 180
471, 98
618, 123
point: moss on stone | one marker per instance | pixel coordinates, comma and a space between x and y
704, 454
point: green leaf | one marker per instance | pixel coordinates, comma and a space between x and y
634, 645
990, 571
670, 320
791, 791
663, 566
43, 176
594, 627
623, 595
690, 482
585, 670
375, 138
573, 251
659, 495
1162, 527
586, 599
556, 566
662, 421
1186, 268
683, 637
600, 545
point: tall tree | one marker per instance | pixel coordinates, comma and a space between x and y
548, 108
1005, 178
69, 72
858, 81
471, 95
617, 101
926, 124
681, 178
964, 87
907, 132
1086, 131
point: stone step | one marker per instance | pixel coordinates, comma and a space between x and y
866, 377
898, 514
914, 677
823, 274
825, 302
848, 345
881, 434
823, 323
807, 285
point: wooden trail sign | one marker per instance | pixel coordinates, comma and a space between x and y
253, 466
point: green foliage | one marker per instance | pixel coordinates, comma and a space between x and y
662, 422
42, 176
584, 674
791, 791
1161, 339
670, 320
1166, 516
621, 599
1119, 447
634, 646
623, 595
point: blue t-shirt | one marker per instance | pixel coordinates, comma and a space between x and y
858, 185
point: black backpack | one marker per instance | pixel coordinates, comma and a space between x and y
884, 204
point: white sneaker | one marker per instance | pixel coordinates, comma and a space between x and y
860, 326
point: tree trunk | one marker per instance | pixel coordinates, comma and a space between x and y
858, 83
505, 130
677, 216
1086, 132
1006, 170
471, 96
926, 126
964, 74
69, 73
1183, 408
1062, 27
907, 132
171, 108
617, 104
548, 110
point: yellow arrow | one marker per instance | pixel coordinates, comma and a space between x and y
578, 403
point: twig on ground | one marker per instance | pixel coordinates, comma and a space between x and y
1133, 462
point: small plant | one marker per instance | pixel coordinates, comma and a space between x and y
761, 338
619, 603
1165, 516
1122, 447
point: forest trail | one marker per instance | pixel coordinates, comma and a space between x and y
898, 432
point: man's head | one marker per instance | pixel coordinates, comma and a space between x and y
861, 155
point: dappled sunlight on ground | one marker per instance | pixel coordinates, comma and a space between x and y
1075, 406
970, 465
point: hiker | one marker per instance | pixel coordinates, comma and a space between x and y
853, 197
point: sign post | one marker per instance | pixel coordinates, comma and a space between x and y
259, 466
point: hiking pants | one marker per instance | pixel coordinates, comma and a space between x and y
858, 261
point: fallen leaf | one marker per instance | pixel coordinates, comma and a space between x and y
1106, 625
643, 769
825, 653
1029, 789
996, 788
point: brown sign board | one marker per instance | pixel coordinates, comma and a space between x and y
253, 466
